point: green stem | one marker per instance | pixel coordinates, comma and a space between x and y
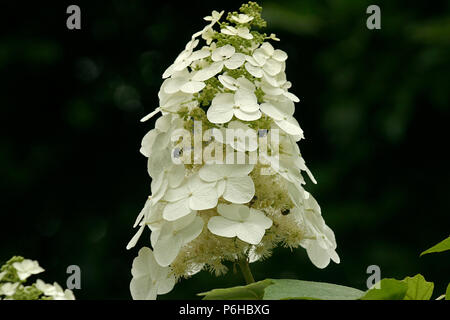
246, 272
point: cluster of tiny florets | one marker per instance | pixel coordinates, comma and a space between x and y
13, 277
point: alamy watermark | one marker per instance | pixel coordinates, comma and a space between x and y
74, 280
373, 281
374, 20
74, 20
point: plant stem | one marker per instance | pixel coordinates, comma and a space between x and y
246, 272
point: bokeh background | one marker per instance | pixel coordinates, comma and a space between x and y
374, 108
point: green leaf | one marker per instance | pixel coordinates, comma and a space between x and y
253, 291
389, 289
277, 289
440, 247
418, 288
447, 293
283, 289
410, 288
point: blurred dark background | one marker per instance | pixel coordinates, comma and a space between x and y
374, 108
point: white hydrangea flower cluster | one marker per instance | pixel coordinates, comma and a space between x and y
202, 213
15, 272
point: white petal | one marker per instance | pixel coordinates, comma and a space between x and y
197, 185
223, 99
295, 194
272, 67
181, 223
204, 199
181, 66
235, 212
220, 187
252, 61
270, 79
257, 217
178, 193
169, 71
26, 268
222, 227
143, 289
176, 210
228, 82
300, 163
163, 123
9, 288
254, 71
279, 55
183, 73
246, 100
260, 57
244, 83
192, 44
242, 18
270, 90
174, 85
291, 174
239, 190
211, 172
285, 105
202, 194
154, 236
318, 256
192, 86
198, 33
167, 249
291, 96
176, 175
141, 214
250, 233
156, 196
270, 110
192, 231
287, 84
290, 126
238, 170
183, 55
231, 31
235, 61
268, 48
334, 256
135, 238
221, 109
166, 286
173, 100
157, 162
143, 264
245, 116
150, 115
222, 53
244, 33
199, 54
208, 72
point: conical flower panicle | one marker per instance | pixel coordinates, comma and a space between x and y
226, 169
